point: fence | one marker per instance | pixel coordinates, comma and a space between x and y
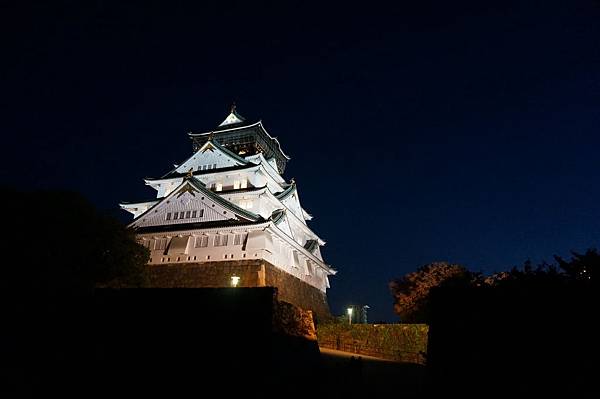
398, 342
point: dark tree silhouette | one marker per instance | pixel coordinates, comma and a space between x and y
581, 266
411, 292
530, 332
57, 248
57, 242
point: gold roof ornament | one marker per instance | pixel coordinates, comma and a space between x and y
190, 173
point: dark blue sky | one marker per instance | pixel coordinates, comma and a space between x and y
464, 132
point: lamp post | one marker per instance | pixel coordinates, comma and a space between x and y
349, 310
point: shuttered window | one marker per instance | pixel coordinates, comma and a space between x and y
160, 243
220, 240
239, 239
201, 242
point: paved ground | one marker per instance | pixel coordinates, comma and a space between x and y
350, 377
348, 355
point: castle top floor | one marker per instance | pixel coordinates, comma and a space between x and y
244, 139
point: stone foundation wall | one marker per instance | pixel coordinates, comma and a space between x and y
293, 321
252, 273
297, 292
209, 274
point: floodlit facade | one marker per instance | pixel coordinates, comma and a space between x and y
227, 210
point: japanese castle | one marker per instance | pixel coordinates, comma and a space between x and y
227, 216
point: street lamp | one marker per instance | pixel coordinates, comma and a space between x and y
234, 281
349, 310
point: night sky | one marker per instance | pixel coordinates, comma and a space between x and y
466, 133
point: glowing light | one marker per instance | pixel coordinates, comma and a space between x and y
349, 310
234, 281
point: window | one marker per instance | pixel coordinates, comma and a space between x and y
176, 216
187, 214
201, 212
244, 183
245, 204
201, 242
193, 214
219, 187
236, 184
309, 269
181, 214
239, 239
160, 243
220, 240
169, 216
214, 166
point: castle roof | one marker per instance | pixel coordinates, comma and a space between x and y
233, 119
197, 225
234, 132
198, 185
287, 192
173, 174
192, 185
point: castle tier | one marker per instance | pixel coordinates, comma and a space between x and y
227, 212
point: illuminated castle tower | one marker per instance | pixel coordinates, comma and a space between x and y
227, 215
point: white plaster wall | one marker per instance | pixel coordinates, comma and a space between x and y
227, 179
259, 245
165, 187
